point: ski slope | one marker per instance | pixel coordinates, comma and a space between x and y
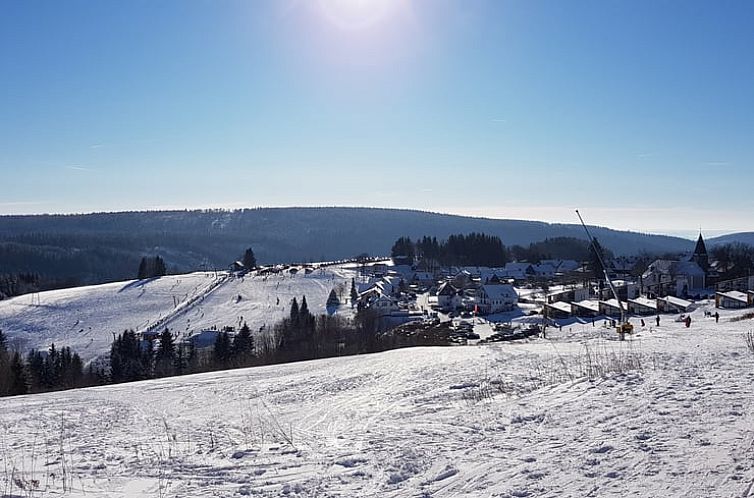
503, 420
86, 318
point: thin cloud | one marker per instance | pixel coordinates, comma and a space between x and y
22, 203
75, 167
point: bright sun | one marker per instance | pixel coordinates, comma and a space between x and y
358, 14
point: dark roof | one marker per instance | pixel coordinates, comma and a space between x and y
447, 290
701, 248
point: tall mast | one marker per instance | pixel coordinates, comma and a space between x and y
604, 268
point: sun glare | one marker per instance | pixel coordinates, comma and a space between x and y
358, 14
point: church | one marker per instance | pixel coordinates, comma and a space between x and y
681, 278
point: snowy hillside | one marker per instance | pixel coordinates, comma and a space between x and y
86, 318
669, 413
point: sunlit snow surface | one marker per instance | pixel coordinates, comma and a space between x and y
508, 420
85, 318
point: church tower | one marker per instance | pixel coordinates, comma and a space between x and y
700, 256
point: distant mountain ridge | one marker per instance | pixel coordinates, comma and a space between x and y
107, 246
742, 238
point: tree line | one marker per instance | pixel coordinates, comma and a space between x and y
474, 249
479, 249
299, 336
53, 370
734, 260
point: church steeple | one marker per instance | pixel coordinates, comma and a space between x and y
700, 256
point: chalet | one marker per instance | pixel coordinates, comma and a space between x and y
733, 299
671, 304
385, 305
464, 279
237, 267
561, 265
626, 290
558, 310
518, 271
380, 268
622, 265
568, 294
544, 270
204, 339
642, 306
611, 307
586, 308
448, 297
492, 299
425, 278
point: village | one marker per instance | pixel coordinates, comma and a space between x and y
550, 292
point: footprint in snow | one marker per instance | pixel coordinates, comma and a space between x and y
603, 449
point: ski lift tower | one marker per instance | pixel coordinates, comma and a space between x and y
624, 327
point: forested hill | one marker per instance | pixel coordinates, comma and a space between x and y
108, 246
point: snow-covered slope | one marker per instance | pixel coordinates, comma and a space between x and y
85, 318
670, 413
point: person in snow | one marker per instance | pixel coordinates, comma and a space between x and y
688, 321
658, 320
717, 317
642, 323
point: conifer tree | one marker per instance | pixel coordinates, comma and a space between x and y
142, 269
128, 360
354, 293
249, 260
160, 270
165, 359
303, 312
19, 380
332, 299
222, 351
294, 314
243, 346
5, 373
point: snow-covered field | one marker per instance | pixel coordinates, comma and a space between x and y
669, 413
85, 318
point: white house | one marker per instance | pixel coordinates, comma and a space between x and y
385, 305
495, 298
448, 297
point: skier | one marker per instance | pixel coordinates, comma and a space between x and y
688, 321
717, 317
658, 320
642, 323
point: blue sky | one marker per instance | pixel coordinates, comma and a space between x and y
638, 113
